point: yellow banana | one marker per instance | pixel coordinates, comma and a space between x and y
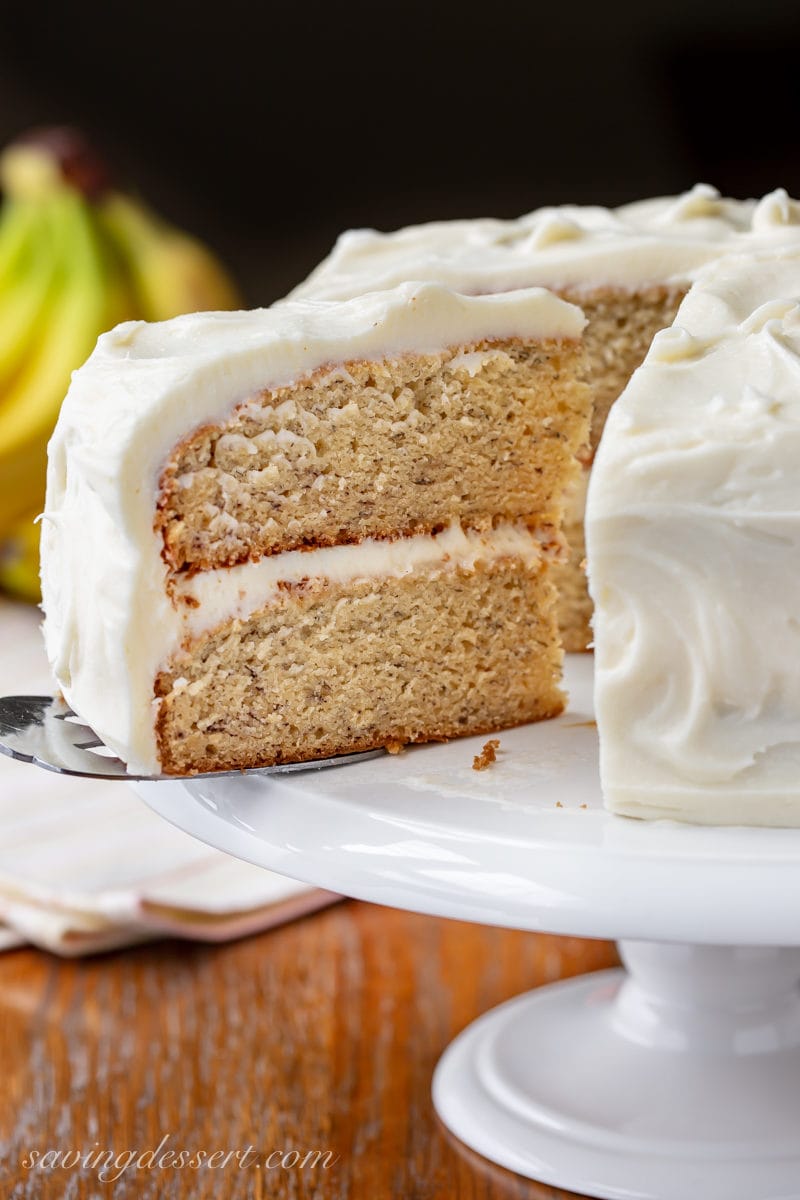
24, 296
171, 272
19, 560
71, 319
75, 260
18, 225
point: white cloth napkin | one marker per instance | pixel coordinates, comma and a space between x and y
86, 866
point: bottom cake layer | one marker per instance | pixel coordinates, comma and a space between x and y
329, 668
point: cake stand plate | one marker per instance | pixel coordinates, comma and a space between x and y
678, 1079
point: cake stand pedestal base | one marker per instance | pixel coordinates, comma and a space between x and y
679, 1081
676, 1080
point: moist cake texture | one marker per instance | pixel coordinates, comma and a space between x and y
693, 537
620, 329
314, 529
627, 268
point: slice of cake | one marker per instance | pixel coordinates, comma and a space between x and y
628, 268
315, 529
693, 530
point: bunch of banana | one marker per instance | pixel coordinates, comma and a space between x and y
76, 257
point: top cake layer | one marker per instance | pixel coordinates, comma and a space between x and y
663, 240
145, 385
693, 540
147, 388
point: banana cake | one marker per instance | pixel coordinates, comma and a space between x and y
314, 529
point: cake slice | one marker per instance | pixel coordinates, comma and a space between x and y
315, 529
628, 268
693, 531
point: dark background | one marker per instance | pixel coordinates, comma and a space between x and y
268, 128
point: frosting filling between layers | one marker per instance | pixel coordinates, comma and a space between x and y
210, 598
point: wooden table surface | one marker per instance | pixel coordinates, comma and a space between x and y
321, 1036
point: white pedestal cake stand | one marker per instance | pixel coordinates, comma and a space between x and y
678, 1080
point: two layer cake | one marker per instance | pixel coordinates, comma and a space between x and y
314, 529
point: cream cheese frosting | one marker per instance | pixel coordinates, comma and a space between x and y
665, 241
110, 624
693, 548
236, 592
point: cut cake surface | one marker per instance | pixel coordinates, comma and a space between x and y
628, 268
323, 527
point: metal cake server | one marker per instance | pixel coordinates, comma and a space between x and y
47, 733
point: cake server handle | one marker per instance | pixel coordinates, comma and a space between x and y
47, 733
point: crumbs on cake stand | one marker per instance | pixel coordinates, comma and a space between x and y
487, 756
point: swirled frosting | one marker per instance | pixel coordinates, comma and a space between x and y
111, 623
693, 548
665, 240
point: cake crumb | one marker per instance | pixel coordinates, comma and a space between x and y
584, 806
559, 804
487, 756
394, 746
